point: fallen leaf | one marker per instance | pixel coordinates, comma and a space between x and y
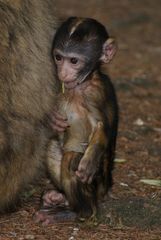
154, 182
119, 160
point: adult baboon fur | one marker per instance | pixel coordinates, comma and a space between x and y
26, 91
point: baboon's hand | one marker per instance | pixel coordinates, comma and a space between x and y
58, 122
89, 166
86, 171
90, 162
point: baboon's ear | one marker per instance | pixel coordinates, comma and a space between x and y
109, 50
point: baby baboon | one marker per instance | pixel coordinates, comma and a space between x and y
80, 161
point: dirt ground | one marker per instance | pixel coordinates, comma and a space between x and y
133, 211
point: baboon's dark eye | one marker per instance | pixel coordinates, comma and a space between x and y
74, 60
58, 57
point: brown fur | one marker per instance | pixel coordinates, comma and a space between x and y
26, 91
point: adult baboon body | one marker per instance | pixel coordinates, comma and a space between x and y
26, 91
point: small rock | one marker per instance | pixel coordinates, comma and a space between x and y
71, 238
124, 184
139, 122
75, 231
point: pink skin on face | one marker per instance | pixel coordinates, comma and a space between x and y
67, 71
68, 67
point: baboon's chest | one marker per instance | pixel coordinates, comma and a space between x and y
77, 135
